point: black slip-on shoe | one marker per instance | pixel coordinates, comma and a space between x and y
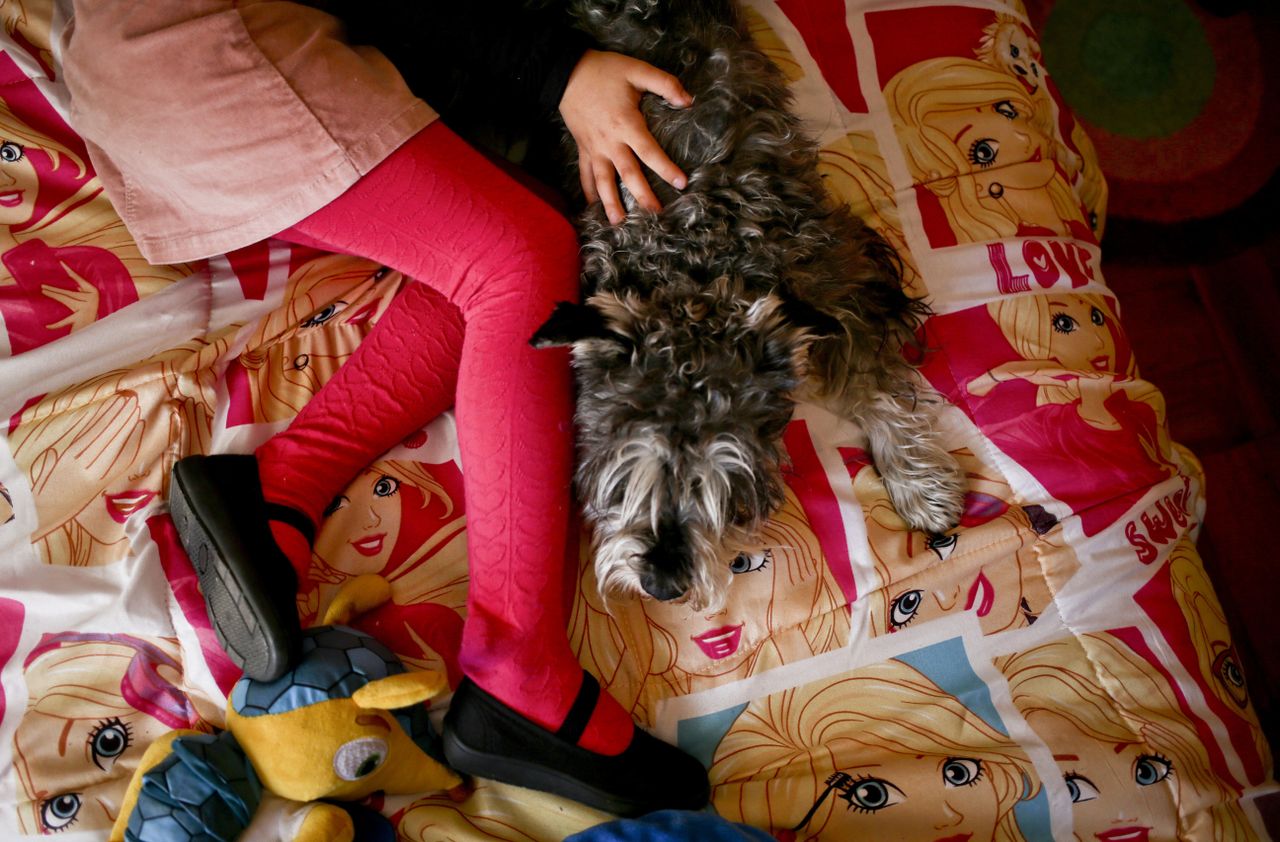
486, 738
249, 586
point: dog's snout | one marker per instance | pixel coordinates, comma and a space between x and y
660, 588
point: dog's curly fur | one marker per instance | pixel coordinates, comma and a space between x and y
701, 322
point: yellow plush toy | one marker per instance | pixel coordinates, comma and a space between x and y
347, 721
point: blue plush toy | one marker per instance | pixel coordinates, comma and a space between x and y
347, 721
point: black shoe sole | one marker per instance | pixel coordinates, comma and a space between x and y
248, 584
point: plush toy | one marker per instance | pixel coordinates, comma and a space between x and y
345, 722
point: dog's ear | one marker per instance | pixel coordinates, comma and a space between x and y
800, 313
570, 323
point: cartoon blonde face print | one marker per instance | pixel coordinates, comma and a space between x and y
892, 755
1214, 653
783, 593
328, 308
67, 258
988, 565
974, 138
99, 453
96, 702
1068, 349
363, 524
1130, 760
19, 186
1207, 622
1082, 338
1007, 44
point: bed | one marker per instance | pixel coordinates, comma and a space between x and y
1057, 667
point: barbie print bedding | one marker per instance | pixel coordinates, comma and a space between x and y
1057, 667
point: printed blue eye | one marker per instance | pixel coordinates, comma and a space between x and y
961, 771
868, 794
386, 487
1080, 787
904, 608
1231, 672
108, 741
10, 152
943, 545
325, 314
1151, 769
60, 812
751, 563
984, 152
1063, 323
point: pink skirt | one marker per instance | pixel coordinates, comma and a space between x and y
214, 124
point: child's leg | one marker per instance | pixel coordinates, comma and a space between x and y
527, 713
248, 522
401, 376
441, 213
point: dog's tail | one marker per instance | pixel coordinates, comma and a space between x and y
671, 34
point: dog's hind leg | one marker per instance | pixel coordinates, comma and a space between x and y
924, 481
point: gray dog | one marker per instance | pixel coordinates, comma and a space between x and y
702, 322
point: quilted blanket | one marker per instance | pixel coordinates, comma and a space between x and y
1057, 667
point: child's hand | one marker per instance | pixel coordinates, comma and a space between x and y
601, 108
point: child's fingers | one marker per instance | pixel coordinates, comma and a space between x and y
586, 178
633, 177
646, 77
608, 191
651, 153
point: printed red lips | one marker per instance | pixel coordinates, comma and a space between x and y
720, 643
982, 593
1125, 834
121, 506
370, 545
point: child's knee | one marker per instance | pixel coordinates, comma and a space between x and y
545, 261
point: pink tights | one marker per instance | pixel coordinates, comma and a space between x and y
492, 259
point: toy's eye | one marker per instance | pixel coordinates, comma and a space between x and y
359, 758
59, 812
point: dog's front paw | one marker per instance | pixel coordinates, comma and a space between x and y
930, 498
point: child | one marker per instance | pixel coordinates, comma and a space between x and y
252, 119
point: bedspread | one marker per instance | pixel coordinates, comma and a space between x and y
1056, 667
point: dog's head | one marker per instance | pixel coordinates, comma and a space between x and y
683, 396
